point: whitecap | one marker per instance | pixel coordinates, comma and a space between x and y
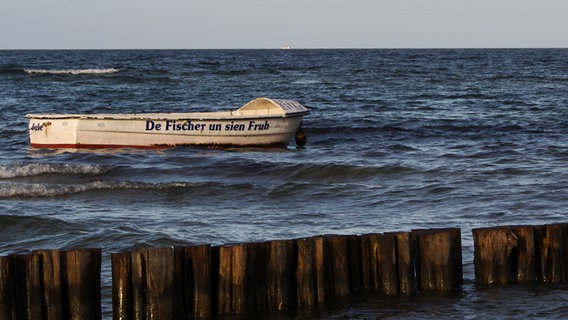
72, 71
37, 190
18, 170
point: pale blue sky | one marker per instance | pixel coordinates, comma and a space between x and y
198, 24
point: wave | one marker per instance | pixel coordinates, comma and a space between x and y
19, 170
344, 172
34, 190
320, 173
40, 190
19, 224
72, 71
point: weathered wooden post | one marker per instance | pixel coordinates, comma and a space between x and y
406, 260
194, 275
323, 270
367, 261
152, 286
238, 279
552, 253
306, 272
387, 272
508, 254
378, 260
82, 281
160, 266
121, 286
225, 283
493, 249
337, 251
238, 287
258, 255
355, 266
440, 259
52, 283
7, 299
524, 255
138, 284
281, 271
27, 277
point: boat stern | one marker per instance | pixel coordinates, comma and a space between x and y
52, 132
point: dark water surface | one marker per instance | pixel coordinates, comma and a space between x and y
397, 140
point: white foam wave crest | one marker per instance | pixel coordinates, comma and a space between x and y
37, 190
11, 171
72, 71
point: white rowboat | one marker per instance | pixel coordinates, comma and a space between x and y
262, 122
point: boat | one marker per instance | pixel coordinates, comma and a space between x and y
262, 122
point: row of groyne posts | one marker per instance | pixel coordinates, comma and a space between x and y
206, 281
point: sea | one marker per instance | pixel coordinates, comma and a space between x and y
396, 140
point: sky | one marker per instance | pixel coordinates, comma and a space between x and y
258, 24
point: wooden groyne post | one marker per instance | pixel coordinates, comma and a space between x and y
51, 284
521, 254
440, 263
205, 281
280, 276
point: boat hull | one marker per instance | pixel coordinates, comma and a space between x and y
160, 132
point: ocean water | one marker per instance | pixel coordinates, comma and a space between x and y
397, 140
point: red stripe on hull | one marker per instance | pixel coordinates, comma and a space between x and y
113, 146
92, 146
